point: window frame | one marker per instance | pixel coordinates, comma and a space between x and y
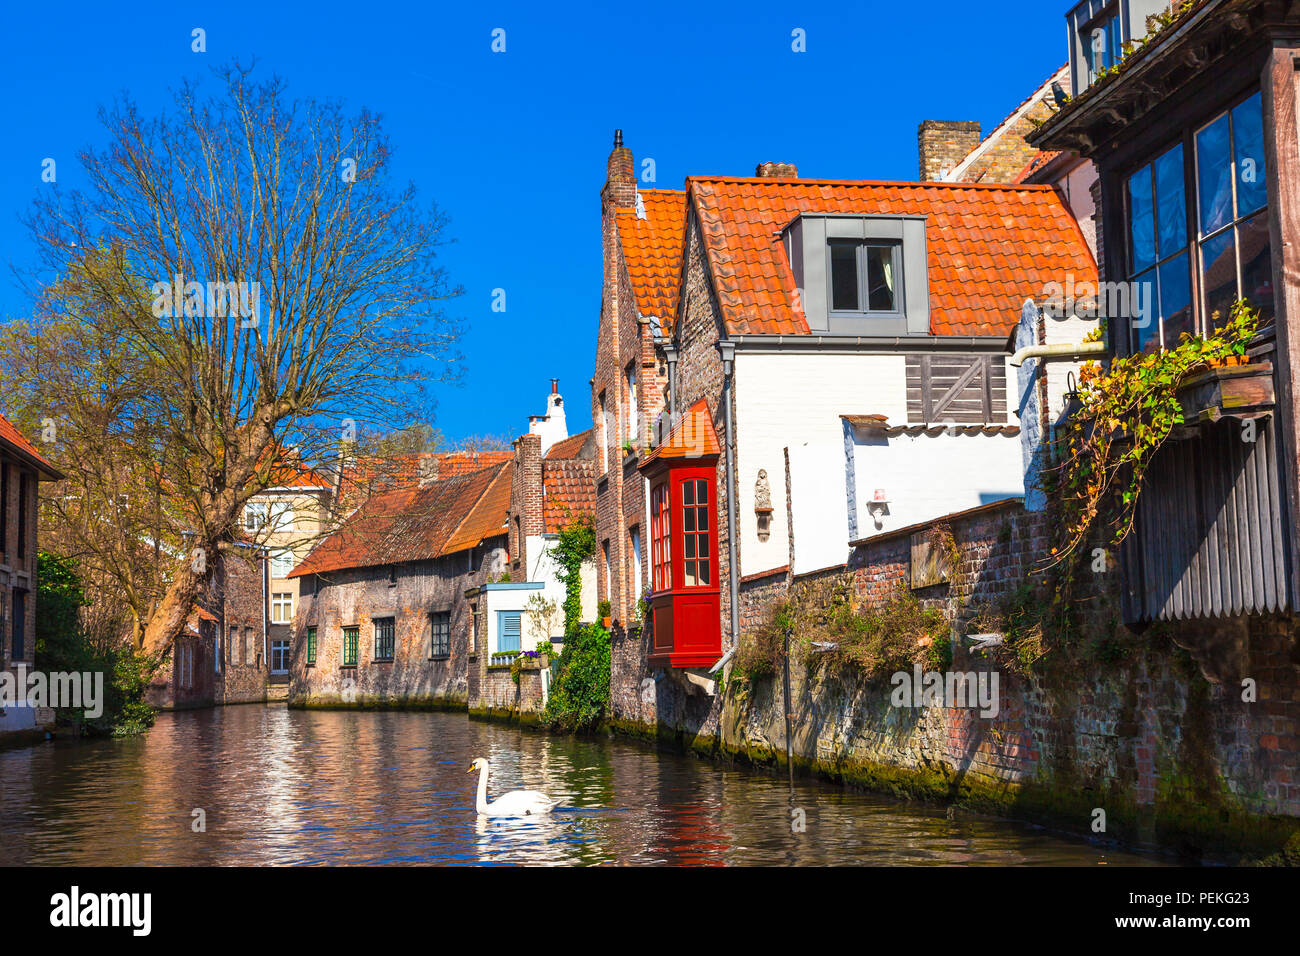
661, 540
863, 280
351, 646
1195, 241
434, 643
279, 601
385, 629
311, 646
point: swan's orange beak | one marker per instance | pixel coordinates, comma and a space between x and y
471, 769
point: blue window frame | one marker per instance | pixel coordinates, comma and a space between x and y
509, 630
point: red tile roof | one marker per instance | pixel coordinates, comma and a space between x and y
417, 524
692, 437
652, 249
12, 440
570, 447
990, 247
568, 491
1041, 159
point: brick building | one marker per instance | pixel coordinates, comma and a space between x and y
829, 357
22, 468
384, 619
224, 655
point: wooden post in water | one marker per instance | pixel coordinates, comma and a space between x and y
789, 714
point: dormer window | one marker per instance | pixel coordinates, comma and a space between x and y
864, 276
860, 275
1102, 45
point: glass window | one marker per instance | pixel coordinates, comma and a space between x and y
440, 640
1157, 207
844, 277
281, 563
384, 638
1102, 45
311, 645
281, 607
351, 637
864, 277
279, 657
660, 549
1231, 186
696, 553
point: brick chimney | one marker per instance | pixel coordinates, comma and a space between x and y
620, 175
527, 518
777, 171
944, 144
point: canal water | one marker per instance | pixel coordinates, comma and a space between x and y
278, 786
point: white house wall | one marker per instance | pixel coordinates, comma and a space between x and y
796, 400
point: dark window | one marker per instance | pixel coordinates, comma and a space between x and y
351, 637
23, 481
20, 623
232, 646
696, 554
864, 276
1232, 191
440, 640
384, 638
1101, 43
311, 645
4, 508
1230, 256
279, 657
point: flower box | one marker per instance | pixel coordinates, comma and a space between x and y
1228, 391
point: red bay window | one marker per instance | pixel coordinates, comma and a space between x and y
684, 604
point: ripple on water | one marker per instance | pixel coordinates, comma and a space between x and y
320, 788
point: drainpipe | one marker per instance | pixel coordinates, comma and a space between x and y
728, 352
670, 355
1065, 352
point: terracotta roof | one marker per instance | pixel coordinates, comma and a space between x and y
692, 437
652, 249
15, 441
1040, 160
569, 447
568, 491
990, 247
417, 524
400, 471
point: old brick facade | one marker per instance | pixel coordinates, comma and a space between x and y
22, 468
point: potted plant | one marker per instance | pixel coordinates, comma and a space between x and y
604, 609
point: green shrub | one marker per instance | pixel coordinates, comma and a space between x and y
579, 697
62, 645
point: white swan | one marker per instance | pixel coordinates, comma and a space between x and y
516, 803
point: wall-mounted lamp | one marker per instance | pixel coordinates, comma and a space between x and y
878, 507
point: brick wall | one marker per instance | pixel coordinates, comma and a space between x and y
525, 517
18, 574
502, 698
358, 597
942, 144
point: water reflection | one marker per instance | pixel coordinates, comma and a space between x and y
276, 786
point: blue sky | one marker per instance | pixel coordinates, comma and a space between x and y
513, 145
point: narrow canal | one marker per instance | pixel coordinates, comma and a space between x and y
276, 786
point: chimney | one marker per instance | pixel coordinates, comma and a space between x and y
620, 175
944, 144
550, 427
777, 171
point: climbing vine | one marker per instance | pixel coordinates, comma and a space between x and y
574, 547
1127, 413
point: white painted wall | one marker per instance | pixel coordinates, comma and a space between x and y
928, 476
795, 400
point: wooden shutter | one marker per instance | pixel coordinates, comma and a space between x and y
964, 389
508, 639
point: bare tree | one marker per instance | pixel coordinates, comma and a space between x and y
247, 252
